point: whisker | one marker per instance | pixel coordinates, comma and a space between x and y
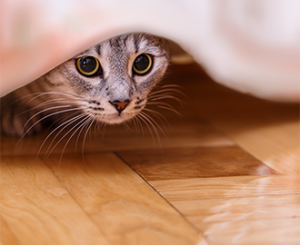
49, 115
45, 103
165, 97
40, 112
66, 133
54, 130
152, 125
125, 124
141, 126
167, 86
62, 119
39, 94
159, 116
82, 122
54, 93
168, 91
135, 124
23, 97
171, 109
128, 124
165, 106
157, 125
91, 121
82, 128
162, 91
66, 124
170, 85
149, 128
101, 126
160, 103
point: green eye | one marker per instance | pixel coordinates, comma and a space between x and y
142, 64
88, 66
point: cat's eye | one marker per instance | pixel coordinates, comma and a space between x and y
88, 66
142, 64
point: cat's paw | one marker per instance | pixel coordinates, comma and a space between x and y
15, 121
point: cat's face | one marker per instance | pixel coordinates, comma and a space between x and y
111, 81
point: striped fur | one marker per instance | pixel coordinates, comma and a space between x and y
63, 93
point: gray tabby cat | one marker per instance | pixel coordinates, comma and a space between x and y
108, 83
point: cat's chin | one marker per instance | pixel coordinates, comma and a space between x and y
115, 119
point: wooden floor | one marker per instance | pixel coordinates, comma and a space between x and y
225, 172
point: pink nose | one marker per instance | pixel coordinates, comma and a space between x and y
120, 106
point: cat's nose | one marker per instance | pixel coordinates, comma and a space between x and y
120, 106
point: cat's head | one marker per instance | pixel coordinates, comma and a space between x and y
111, 81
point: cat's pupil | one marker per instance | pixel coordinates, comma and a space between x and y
88, 64
142, 63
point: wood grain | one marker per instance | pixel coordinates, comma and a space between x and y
122, 205
203, 211
246, 186
38, 210
249, 232
185, 163
6, 235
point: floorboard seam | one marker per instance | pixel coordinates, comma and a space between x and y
205, 237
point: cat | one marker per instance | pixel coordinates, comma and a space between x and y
108, 83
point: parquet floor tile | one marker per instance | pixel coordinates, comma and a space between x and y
120, 202
189, 163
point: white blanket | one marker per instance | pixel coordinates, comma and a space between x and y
248, 45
